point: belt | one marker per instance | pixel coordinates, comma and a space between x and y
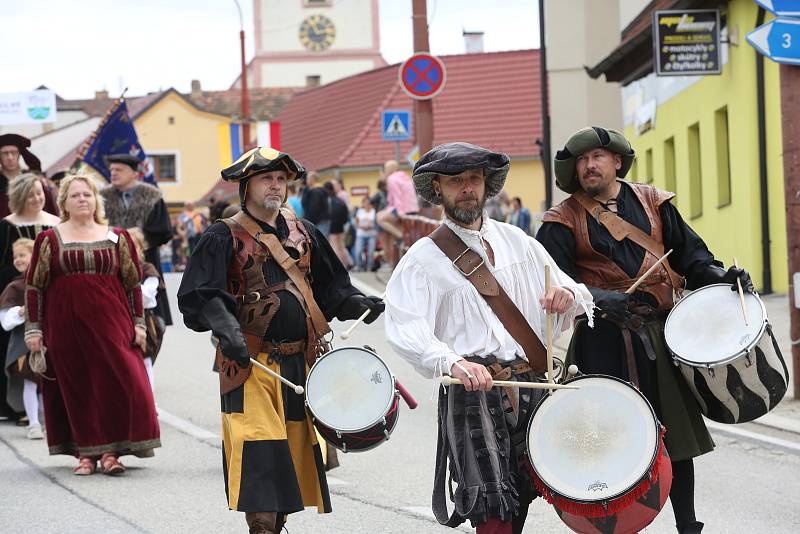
288, 348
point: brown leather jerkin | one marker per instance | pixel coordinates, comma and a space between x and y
477, 272
233, 376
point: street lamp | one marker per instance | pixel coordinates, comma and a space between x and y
245, 99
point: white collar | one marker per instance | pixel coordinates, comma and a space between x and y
472, 238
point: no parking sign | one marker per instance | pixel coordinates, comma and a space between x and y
422, 76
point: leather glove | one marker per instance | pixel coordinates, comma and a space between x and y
356, 305
228, 330
612, 303
735, 273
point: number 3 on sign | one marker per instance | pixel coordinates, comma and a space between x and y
787, 40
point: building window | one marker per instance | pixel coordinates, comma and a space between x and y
695, 173
669, 165
313, 80
317, 3
164, 168
648, 166
723, 157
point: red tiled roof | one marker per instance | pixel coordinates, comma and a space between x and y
489, 99
265, 102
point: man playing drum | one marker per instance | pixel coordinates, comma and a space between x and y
442, 317
607, 234
266, 283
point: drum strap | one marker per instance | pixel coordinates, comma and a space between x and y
633, 372
472, 266
618, 227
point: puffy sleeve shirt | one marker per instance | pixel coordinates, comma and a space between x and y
434, 316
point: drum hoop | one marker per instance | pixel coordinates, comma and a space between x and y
609, 497
386, 408
720, 363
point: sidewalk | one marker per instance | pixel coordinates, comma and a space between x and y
785, 416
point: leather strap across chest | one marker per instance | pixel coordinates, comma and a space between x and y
472, 266
289, 265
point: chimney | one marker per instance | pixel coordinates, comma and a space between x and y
313, 80
101, 95
473, 42
197, 91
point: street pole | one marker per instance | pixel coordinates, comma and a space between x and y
245, 95
423, 108
545, 104
397, 152
790, 119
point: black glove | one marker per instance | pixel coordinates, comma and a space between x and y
356, 305
735, 273
228, 330
612, 303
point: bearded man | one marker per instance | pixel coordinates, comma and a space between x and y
266, 283
470, 301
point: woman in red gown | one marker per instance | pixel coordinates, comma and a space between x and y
84, 304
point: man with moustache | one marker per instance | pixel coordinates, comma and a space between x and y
607, 234
440, 318
266, 284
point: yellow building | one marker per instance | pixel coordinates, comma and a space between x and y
698, 136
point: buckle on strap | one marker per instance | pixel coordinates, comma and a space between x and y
249, 298
457, 266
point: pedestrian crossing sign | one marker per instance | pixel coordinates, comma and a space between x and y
396, 125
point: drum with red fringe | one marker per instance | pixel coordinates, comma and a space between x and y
352, 397
597, 455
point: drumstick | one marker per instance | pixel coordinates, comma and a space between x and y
346, 333
450, 381
406, 395
647, 273
549, 329
297, 389
741, 295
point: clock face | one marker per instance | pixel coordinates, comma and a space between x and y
317, 33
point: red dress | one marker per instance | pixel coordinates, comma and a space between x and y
85, 299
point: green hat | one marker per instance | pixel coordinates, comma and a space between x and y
587, 139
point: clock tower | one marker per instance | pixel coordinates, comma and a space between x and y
310, 42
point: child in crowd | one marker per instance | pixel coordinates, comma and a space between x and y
151, 282
366, 234
22, 381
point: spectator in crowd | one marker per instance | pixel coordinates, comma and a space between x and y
379, 199
195, 223
366, 234
12, 147
341, 192
520, 216
316, 207
215, 209
165, 255
401, 200
340, 215
100, 405
294, 200
498, 207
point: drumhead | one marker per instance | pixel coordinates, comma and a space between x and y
707, 326
595, 443
349, 389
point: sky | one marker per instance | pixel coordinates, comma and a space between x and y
150, 45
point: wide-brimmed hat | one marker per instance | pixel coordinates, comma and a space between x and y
455, 158
126, 159
587, 139
262, 159
22, 143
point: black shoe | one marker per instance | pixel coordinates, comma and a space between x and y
692, 528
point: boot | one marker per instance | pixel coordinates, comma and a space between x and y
692, 528
261, 522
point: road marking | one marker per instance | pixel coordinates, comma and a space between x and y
187, 427
731, 430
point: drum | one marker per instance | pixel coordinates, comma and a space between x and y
351, 395
735, 370
597, 455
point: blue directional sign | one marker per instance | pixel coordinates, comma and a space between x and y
778, 40
396, 125
782, 8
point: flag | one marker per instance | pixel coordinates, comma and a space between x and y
114, 135
268, 133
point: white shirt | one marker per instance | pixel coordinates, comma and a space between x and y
149, 291
434, 316
10, 318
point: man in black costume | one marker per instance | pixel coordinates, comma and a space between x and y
129, 203
606, 235
266, 284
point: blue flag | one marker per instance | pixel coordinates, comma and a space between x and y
115, 135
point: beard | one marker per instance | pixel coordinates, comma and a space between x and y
595, 189
272, 204
464, 215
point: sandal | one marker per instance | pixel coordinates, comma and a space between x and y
86, 466
111, 465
